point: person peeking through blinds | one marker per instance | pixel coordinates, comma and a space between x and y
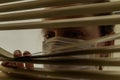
55, 38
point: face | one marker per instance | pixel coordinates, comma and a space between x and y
85, 33
82, 32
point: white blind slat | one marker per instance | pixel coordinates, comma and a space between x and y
60, 12
63, 23
38, 3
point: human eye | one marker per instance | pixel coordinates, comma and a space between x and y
48, 35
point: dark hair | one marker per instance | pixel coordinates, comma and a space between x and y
105, 29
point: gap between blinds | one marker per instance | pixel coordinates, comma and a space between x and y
26, 14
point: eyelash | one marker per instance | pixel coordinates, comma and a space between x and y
49, 35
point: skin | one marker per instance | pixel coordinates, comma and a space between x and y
20, 65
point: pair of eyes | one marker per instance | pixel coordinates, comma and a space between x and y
68, 34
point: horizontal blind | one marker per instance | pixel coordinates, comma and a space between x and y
26, 14
5, 1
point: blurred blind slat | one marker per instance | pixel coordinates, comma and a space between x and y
70, 61
27, 4
5, 1
60, 12
63, 23
68, 74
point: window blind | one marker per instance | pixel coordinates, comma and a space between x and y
26, 14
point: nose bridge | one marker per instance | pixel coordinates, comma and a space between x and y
58, 32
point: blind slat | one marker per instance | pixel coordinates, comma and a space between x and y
62, 12
104, 50
5, 54
4, 1
36, 24
70, 74
9, 76
39, 3
70, 61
